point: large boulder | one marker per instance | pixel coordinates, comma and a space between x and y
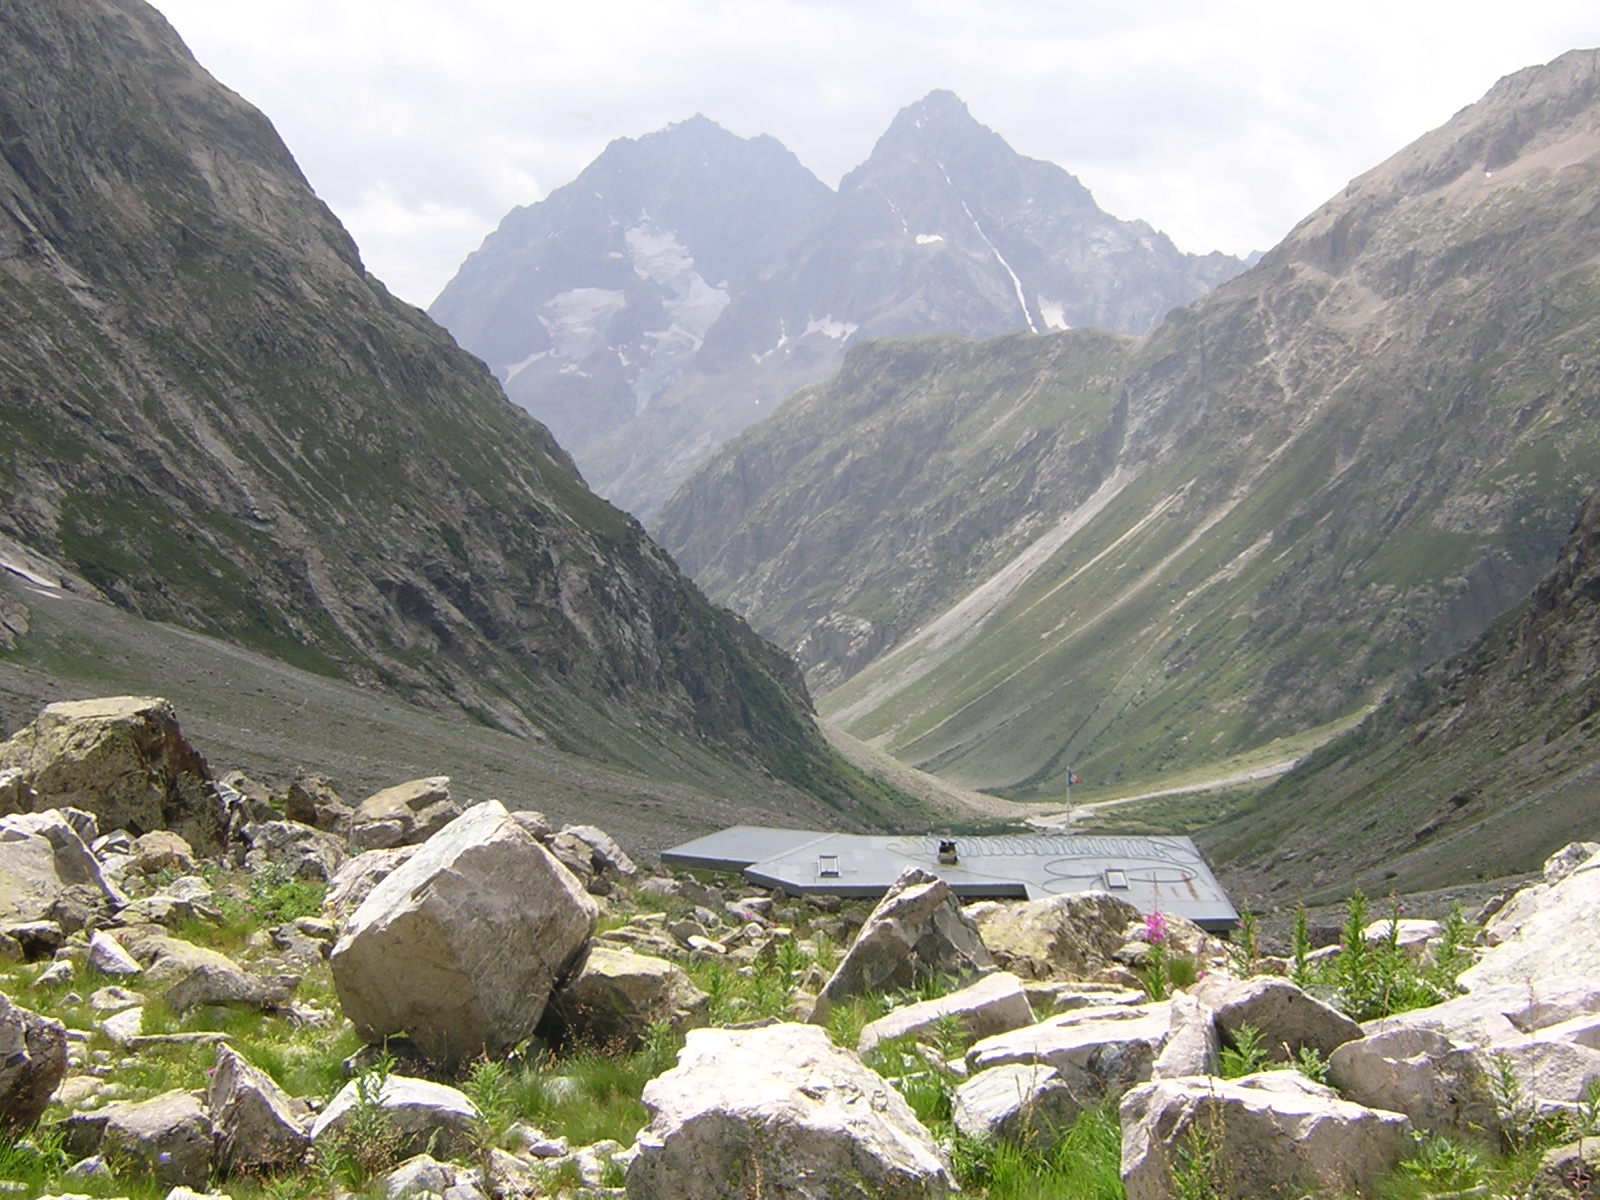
1502, 1012
352, 883
424, 1117
125, 760
191, 976
994, 1004
1096, 1052
1072, 936
47, 872
1025, 1103
311, 800
1531, 939
403, 815
33, 1061
256, 1129
1263, 1136
619, 995
1287, 1019
780, 1112
1442, 1087
168, 1138
917, 932
462, 945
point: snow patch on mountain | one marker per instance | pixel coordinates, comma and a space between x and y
1054, 314
577, 319
929, 239
507, 374
831, 327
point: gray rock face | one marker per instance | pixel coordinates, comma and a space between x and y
1096, 1053
427, 1117
917, 931
107, 956
352, 882
994, 1004
1285, 1016
1193, 1046
48, 874
1025, 1103
618, 995
1531, 939
779, 1111
511, 592
403, 815
33, 1061
191, 976
462, 945
1272, 1136
1071, 936
123, 759
1443, 1088
311, 800
256, 1130
168, 1138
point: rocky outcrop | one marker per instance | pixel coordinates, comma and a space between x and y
403, 815
1442, 1087
781, 1111
917, 932
1285, 1017
461, 946
256, 1128
167, 1138
994, 1004
619, 996
1271, 1135
123, 759
1076, 935
33, 1061
423, 1117
47, 873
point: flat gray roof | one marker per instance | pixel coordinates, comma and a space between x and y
1164, 874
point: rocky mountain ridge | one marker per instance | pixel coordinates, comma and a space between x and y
1328, 472
212, 415
944, 229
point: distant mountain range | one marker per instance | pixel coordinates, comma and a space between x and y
1126, 557
688, 282
212, 416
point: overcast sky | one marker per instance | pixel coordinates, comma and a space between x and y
1222, 123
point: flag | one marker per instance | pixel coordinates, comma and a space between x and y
1072, 779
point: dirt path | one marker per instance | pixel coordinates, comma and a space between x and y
1064, 818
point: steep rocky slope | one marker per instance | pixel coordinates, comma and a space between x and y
944, 229
1328, 472
1476, 768
209, 412
590, 304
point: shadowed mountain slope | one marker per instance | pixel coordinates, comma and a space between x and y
1327, 473
1478, 768
215, 417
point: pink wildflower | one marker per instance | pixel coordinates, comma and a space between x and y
1155, 928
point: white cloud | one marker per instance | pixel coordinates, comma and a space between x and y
422, 122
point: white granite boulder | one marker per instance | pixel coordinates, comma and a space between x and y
1442, 1087
167, 1138
425, 1117
461, 946
403, 815
1286, 1017
994, 1004
780, 1111
1544, 931
47, 873
917, 932
1264, 1136
1025, 1103
1073, 936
